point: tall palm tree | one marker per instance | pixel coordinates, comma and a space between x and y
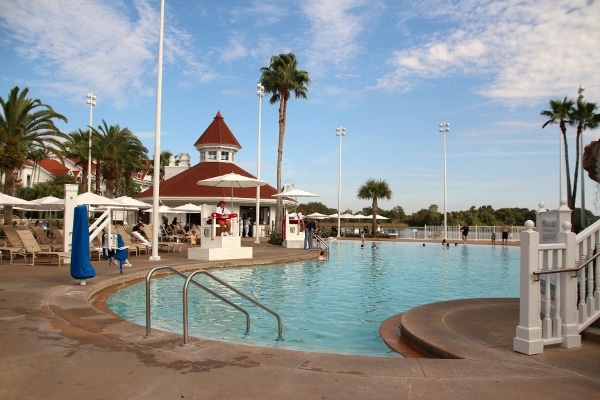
583, 116
374, 190
117, 144
133, 161
282, 78
25, 125
163, 162
560, 113
78, 148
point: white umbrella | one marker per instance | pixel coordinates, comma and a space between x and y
89, 198
317, 215
232, 180
360, 216
347, 216
377, 217
47, 203
295, 193
188, 208
6, 200
161, 209
131, 202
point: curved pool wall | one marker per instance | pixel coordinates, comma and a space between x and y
333, 306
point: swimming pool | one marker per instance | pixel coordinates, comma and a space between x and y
335, 306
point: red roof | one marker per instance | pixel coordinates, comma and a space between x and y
218, 133
54, 167
185, 184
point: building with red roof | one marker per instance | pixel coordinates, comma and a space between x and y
217, 147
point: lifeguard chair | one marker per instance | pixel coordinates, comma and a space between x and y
293, 238
215, 246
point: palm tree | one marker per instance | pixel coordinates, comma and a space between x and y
25, 125
78, 148
584, 116
118, 144
281, 78
559, 113
375, 190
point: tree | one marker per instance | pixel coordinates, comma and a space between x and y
559, 113
583, 116
119, 147
25, 125
78, 148
374, 190
281, 78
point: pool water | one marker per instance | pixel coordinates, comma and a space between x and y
334, 306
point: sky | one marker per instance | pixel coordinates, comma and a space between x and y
387, 71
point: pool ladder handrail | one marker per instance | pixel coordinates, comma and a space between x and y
148, 302
323, 243
232, 288
186, 285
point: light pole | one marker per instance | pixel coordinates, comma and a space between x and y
582, 175
341, 131
445, 128
260, 93
91, 100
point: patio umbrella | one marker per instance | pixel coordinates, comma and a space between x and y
81, 267
377, 217
6, 200
131, 202
317, 215
188, 208
48, 203
232, 180
360, 216
161, 209
295, 193
347, 216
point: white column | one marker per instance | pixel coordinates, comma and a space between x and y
341, 131
156, 177
445, 128
260, 93
91, 100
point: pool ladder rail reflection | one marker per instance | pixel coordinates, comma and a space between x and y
189, 279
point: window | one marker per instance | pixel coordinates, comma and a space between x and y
212, 155
224, 155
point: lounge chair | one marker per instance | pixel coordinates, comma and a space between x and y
96, 246
32, 247
140, 247
44, 240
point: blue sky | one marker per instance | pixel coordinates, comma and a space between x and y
388, 71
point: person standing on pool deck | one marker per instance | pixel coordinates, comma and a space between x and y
505, 230
308, 232
494, 239
465, 232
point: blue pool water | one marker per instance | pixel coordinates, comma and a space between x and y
333, 306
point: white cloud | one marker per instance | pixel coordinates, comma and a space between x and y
533, 50
78, 45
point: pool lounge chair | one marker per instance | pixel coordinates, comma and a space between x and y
43, 239
32, 247
139, 247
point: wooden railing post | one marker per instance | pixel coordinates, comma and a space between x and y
528, 338
568, 287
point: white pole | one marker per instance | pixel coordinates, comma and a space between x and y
260, 92
581, 174
445, 128
156, 177
91, 100
341, 131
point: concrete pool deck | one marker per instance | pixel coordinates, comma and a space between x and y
56, 344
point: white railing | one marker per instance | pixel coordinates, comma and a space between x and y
560, 291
